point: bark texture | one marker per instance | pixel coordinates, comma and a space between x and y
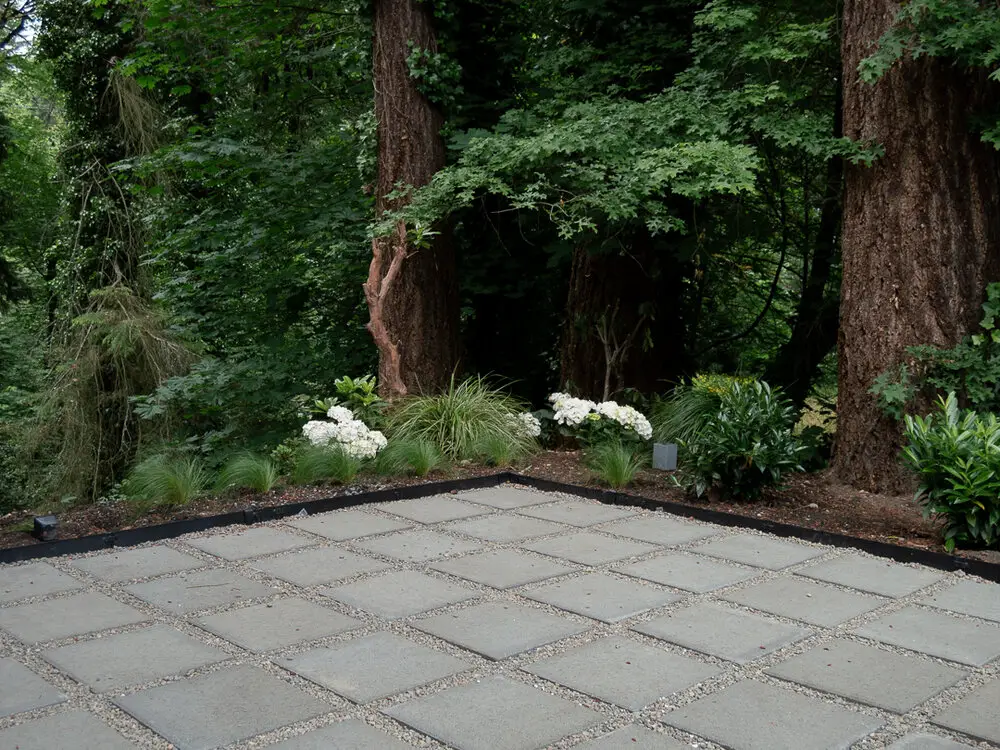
921, 235
411, 292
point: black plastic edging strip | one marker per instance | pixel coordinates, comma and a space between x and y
171, 529
939, 560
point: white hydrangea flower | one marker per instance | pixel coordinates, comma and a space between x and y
627, 417
526, 424
350, 434
340, 414
571, 411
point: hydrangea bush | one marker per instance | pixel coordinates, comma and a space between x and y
592, 422
346, 432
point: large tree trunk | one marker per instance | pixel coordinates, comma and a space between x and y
921, 231
411, 291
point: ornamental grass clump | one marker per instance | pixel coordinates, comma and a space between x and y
332, 463
248, 471
418, 457
616, 463
166, 481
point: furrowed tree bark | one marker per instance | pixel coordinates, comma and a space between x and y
411, 292
921, 234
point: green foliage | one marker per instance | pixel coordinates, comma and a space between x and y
501, 451
744, 448
167, 481
358, 395
249, 471
894, 393
418, 456
956, 456
325, 463
684, 414
616, 463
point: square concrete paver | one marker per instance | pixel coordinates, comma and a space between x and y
601, 596
265, 627
341, 525
434, 509
753, 716
373, 667
858, 672
588, 548
70, 615
204, 589
318, 565
505, 528
502, 568
660, 529
580, 512
495, 713
726, 633
129, 564
71, 730
506, 498
804, 600
34, 579
688, 572
969, 598
498, 630
977, 714
254, 542
399, 594
417, 545
924, 741
938, 634
633, 737
351, 734
132, 658
872, 574
759, 551
222, 707
621, 671
23, 690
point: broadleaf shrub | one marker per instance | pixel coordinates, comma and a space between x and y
685, 413
956, 455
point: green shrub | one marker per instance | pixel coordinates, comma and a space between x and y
318, 463
164, 480
616, 463
249, 471
419, 457
461, 419
956, 455
746, 446
684, 414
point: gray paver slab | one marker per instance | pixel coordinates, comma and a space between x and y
264, 627
373, 667
602, 596
130, 564
243, 702
497, 629
661, 529
970, 598
53, 619
506, 498
341, 525
34, 579
633, 737
588, 548
760, 551
505, 528
870, 675
192, 592
801, 599
399, 594
23, 690
976, 714
580, 512
878, 576
254, 542
495, 713
688, 572
351, 734
503, 568
621, 671
938, 634
722, 632
751, 716
71, 730
132, 658
924, 741
418, 545
434, 509
318, 565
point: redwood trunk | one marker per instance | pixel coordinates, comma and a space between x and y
921, 231
411, 292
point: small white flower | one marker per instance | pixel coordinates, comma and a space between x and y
340, 414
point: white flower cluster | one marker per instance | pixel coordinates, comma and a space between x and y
527, 424
627, 417
349, 433
573, 412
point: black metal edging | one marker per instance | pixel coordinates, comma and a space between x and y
939, 560
171, 529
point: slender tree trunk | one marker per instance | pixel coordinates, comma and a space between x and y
411, 292
921, 234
